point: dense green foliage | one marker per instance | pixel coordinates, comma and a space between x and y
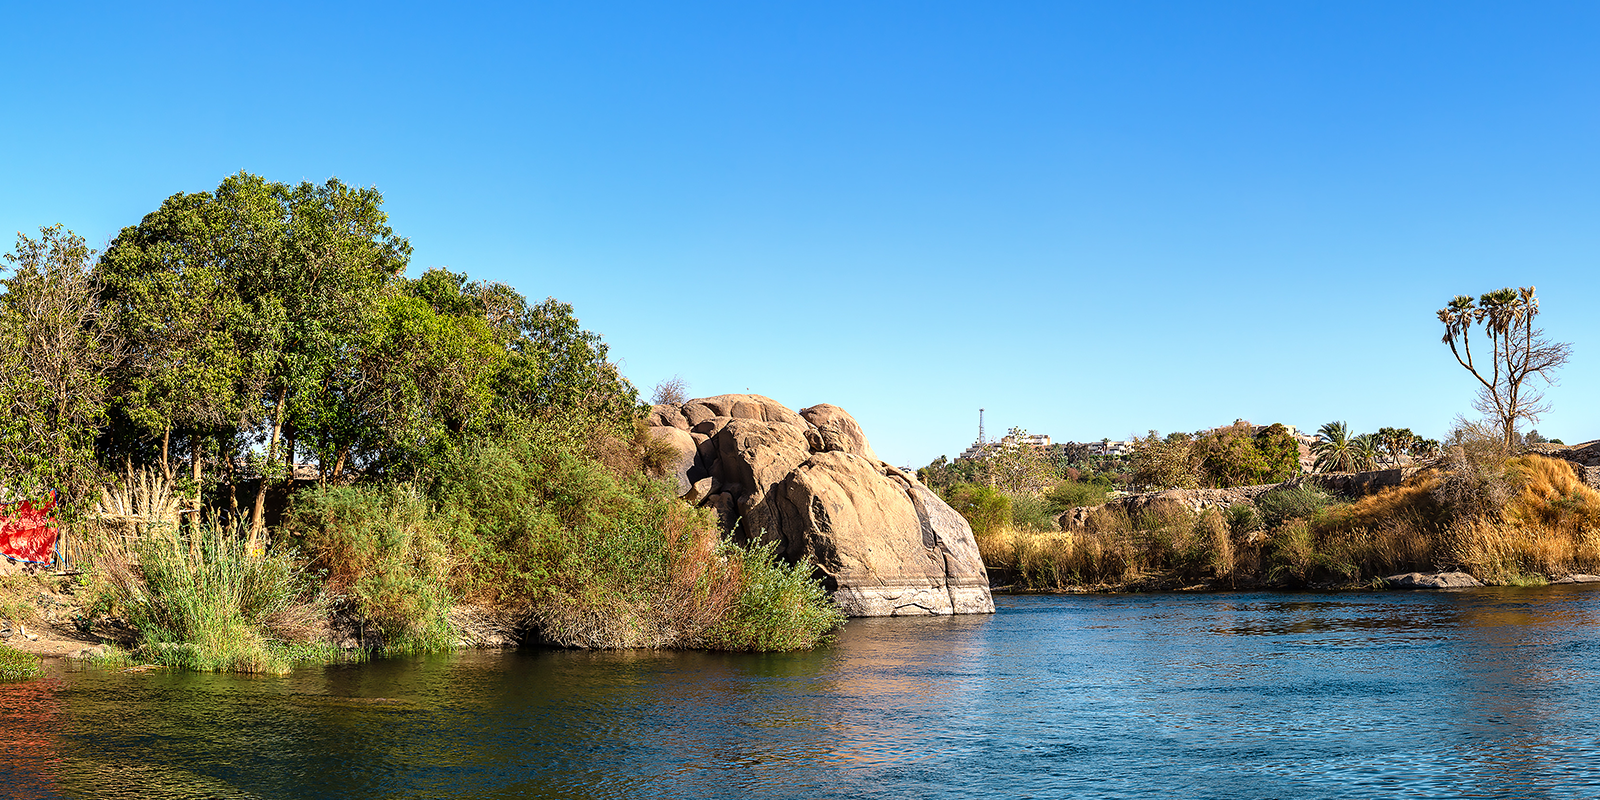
986, 508
433, 444
266, 324
1236, 455
575, 552
55, 356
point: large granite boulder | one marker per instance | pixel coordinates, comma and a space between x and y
883, 543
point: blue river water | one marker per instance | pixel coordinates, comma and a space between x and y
1478, 693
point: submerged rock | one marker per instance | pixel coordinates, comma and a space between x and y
1440, 580
883, 543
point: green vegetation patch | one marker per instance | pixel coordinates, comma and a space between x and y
16, 665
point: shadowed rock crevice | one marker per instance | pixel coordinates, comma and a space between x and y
883, 543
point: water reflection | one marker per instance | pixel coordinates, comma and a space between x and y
1480, 693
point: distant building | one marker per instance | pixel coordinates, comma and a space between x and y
1037, 441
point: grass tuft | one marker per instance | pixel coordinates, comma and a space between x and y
16, 665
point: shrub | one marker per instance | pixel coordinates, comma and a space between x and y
16, 665
1475, 482
1243, 518
985, 508
565, 536
383, 557
779, 606
1031, 512
1292, 501
1073, 494
201, 602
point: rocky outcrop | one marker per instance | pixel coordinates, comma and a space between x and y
883, 543
1440, 580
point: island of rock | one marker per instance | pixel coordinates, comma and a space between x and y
883, 544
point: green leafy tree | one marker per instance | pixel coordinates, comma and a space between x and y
1280, 451
182, 316
57, 345
290, 273
985, 508
1015, 467
1157, 463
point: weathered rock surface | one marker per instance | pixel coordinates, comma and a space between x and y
684, 445
1440, 580
883, 543
838, 430
1578, 578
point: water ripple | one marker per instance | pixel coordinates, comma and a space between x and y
1245, 695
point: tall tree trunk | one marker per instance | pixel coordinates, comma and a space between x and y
233, 484
338, 464
166, 450
258, 514
195, 471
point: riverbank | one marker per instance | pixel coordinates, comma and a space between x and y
1504, 521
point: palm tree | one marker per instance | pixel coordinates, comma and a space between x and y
1394, 443
1366, 452
1334, 450
1425, 448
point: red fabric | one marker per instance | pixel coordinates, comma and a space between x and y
28, 533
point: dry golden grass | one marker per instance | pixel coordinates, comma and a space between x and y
1551, 495
1172, 546
1501, 553
1549, 528
1414, 501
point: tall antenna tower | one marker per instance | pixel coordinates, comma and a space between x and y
980, 426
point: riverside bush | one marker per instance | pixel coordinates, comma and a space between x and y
985, 508
16, 665
200, 601
379, 552
1293, 501
562, 533
1072, 494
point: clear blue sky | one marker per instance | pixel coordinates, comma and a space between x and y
1090, 219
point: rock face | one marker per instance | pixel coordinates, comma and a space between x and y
1442, 580
883, 543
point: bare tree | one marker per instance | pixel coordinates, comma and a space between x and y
1518, 354
670, 391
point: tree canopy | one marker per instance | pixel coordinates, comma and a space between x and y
232, 335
